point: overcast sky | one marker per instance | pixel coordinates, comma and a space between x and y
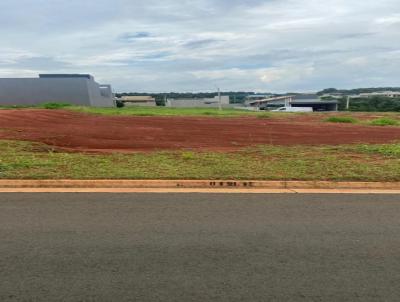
194, 45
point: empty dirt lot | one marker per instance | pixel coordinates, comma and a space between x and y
74, 131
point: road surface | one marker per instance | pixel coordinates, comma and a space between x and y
199, 247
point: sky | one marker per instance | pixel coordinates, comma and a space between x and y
198, 45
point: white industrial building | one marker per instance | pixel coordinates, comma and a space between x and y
138, 100
199, 102
295, 100
389, 94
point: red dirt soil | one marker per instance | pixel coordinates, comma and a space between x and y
74, 131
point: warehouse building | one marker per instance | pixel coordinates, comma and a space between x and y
198, 103
76, 89
296, 100
138, 100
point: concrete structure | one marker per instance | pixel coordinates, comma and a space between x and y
389, 94
76, 89
138, 100
297, 100
193, 103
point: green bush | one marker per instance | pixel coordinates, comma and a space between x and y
384, 122
55, 105
120, 104
341, 119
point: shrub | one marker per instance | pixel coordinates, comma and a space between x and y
341, 119
119, 104
55, 105
384, 122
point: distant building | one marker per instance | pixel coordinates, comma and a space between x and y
199, 103
76, 89
138, 100
389, 94
295, 100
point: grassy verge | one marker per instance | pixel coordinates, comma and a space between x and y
23, 160
341, 117
385, 120
40, 106
164, 111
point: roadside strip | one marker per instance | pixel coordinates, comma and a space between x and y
197, 186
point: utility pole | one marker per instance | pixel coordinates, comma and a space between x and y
348, 103
219, 99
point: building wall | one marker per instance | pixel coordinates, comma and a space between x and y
199, 103
33, 91
317, 105
100, 95
140, 104
138, 100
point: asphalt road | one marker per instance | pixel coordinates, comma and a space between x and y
198, 247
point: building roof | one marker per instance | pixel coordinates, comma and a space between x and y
306, 96
63, 76
315, 102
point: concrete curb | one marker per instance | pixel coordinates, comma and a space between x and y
194, 190
197, 184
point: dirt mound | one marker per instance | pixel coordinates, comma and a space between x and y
83, 132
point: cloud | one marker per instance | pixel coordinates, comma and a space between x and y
134, 36
189, 45
389, 20
286, 73
357, 61
200, 43
12, 56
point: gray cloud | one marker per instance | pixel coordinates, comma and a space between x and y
134, 36
201, 43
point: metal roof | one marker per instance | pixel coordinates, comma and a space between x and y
87, 76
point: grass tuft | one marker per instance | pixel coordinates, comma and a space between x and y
264, 116
384, 122
188, 155
392, 150
54, 105
341, 119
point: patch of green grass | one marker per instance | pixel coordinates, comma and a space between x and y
265, 115
392, 150
162, 111
166, 111
5, 107
51, 105
23, 160
188, 155
341, 119
54, 105
384, 122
